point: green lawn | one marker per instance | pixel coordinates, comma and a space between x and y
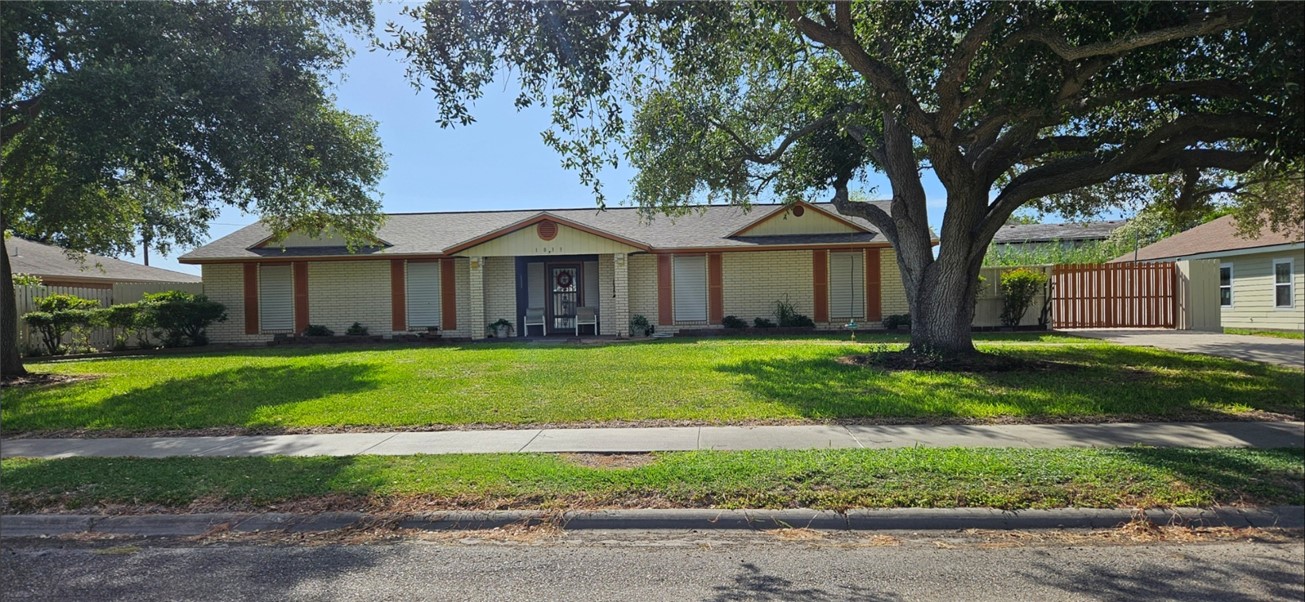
1277, 334
708, 381
836, 479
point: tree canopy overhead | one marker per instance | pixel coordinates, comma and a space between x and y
1066, 105
128, 120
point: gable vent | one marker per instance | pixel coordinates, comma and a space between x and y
547, 230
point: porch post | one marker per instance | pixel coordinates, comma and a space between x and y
621, 294
476, 297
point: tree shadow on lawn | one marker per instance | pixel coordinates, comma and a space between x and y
231, 397
1116, 381
1233, 478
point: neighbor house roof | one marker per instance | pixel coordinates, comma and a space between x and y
1216, 236
52, 263
708, 227
1022, 233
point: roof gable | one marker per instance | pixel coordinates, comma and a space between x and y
799, 218
550, 235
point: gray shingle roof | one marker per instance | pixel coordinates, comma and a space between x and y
48, 261
1018, 233
433, 233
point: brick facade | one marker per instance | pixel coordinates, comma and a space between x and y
343, 292
894, 294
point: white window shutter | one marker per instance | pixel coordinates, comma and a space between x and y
689, 284
423, 284
847, 285
276, 298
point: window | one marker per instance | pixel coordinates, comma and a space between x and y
423, 284
1282, 286
689, 283
276, 298
847, 285
1225, 285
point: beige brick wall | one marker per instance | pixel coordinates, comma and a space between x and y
225, 283
607, 306
500, 291
462, 279
343, 292
893, 294
753, 281
642, 272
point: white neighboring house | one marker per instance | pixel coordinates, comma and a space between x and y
1260, 279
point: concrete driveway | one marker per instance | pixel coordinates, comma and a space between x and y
1283, 352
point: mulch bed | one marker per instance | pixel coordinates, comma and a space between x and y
43, 379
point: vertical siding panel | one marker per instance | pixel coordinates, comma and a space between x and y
873, 287
251, 298
664, 305
301, 295
715, 289
398, 296
820, 284
448, 295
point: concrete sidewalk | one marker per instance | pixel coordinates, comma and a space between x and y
634, 440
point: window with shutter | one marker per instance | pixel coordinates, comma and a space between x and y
689, 283
590, 280
423, 282
847, 285
276, 298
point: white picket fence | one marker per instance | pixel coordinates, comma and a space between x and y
119, 293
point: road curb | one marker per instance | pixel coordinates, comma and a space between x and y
942, 519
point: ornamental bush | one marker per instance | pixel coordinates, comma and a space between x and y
733, 322
57, 315
180, 316
1018, 288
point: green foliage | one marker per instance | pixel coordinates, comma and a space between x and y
762, 323
356, 330
1018, 288
494, 328
317, 330
895, 321
21, 279
788, 317
734, 322
639, 326
59, 314
181, 317
1054, 253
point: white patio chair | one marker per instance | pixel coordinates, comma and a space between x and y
588, 316
534, 317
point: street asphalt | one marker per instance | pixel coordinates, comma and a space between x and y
674, 566
634, 440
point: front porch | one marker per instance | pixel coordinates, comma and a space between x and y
550, 296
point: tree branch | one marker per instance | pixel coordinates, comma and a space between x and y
1198, 25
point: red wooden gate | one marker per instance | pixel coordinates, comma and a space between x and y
1131, 294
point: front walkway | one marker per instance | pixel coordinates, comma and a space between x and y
1283, 352
634, 440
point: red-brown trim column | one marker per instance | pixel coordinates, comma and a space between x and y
665, 314
301, 295
873, 287
715, 288
398, 295
820, 284
448, 296
251, 298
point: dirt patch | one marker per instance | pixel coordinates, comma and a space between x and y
976, 363
43, 379
610, 461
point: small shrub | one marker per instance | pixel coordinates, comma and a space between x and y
58, 315
317, 330
356, 330
493, 329
182, 316
1018, 288
734, 322
639, 325
762, 323
129, 319
895, 321
788, 317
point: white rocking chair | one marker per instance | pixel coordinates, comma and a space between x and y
534, 317
586, 316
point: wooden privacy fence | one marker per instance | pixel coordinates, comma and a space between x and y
1132, 294
119, 293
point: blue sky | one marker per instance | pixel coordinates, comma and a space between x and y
499, 162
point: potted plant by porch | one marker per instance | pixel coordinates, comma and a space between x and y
499, 329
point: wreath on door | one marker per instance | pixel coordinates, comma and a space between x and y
564, 279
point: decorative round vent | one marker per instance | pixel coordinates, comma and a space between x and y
798, 210
547, 230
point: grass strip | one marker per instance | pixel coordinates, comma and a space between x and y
726, 380
827, 479
1277, 334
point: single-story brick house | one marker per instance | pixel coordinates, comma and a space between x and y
1261, 279
460, 271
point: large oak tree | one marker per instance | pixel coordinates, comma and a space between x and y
124, 121
1061, 104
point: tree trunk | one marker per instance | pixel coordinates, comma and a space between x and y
942, 311
11, 364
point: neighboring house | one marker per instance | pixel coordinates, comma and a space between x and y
461, 271
1068, 236
1260, 279
55, 268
